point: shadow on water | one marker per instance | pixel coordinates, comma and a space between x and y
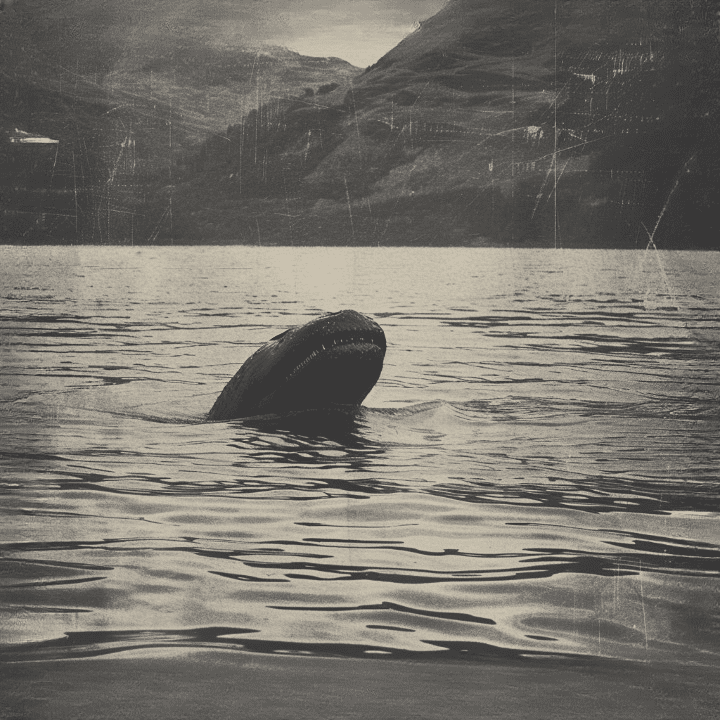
314, 441
347, 426
349, 438
339, 425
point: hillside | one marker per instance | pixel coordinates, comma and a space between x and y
129, 90
199, 56
579, 123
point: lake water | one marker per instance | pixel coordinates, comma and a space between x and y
535, 474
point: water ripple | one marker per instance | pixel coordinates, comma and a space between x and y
535, 474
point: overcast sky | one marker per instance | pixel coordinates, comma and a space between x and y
359, 31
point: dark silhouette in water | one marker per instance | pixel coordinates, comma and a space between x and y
332, 361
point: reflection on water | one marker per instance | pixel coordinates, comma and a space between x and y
535, 474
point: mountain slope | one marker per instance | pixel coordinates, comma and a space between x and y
129, 89
576, 123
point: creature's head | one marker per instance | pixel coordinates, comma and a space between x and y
333, 360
